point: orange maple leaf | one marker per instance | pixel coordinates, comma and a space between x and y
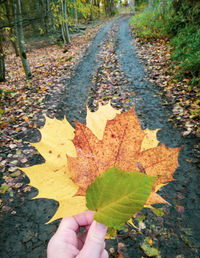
120, 146
108, 139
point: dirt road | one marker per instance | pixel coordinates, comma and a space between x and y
175, 232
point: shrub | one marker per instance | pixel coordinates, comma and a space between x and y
186, 52
182, 13
178, 21
150, 24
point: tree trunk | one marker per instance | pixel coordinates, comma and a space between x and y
109, 7
76, 16
2, 60
98, 5
46, 18
91, 10
64, 25
112, 7
12, 34
20, 38
74, 12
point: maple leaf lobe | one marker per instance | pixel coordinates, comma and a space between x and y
122, 145
122, 139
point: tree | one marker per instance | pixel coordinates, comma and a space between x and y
12, 34
64, 24
20, 37
46, 18
109, 7
2, 41
2, 58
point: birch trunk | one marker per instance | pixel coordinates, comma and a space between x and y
64, 25
20, 38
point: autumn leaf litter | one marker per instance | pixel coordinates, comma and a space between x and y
25, 101
109, 83
183, 98
99, 94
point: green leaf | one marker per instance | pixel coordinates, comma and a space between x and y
150, 251
117, 195
12, 39
4, 188
158, 212
141, 218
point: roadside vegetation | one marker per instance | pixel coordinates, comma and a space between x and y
40, 42
176, 23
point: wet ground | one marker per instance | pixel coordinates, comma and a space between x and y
175, 232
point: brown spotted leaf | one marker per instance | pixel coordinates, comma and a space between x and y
122, 145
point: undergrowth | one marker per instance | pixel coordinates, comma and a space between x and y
149, 25
186, 53
179, 22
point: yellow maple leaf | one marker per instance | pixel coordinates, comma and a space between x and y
52, 178
149, 140
90, 151
56, 185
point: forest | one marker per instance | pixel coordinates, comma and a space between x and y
99, 111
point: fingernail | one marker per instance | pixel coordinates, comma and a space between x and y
101, 226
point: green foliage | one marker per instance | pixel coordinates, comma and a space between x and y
186, 52
149, 24
122, 10
182, 14
117, 195
86, 11
178, 21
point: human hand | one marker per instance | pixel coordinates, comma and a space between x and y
67, 244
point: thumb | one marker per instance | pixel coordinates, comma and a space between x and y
94, 243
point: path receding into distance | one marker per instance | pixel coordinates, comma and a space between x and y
175, 234
78, 87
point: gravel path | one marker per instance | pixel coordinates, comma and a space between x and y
175, 233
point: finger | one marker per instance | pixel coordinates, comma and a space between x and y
81, 240
66, 231
94, 243
104, 254
80, 244
57, 248
85, 218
